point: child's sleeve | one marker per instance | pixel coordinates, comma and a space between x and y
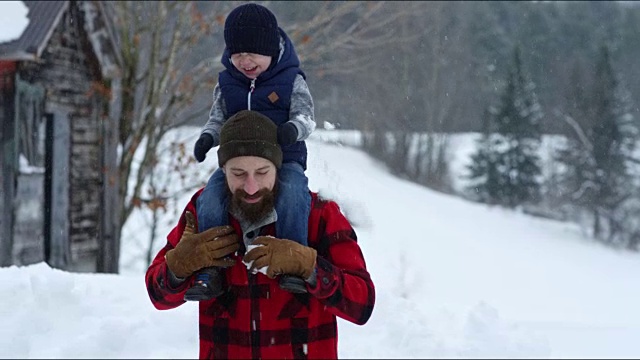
301, 111
216, 117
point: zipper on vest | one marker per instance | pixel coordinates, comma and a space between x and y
251, 88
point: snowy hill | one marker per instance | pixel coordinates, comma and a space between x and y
453, 279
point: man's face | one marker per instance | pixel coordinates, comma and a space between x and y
251, 181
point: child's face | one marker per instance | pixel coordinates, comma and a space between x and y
250, 64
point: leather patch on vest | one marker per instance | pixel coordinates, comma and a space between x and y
273, 97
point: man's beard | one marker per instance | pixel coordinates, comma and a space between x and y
253, 212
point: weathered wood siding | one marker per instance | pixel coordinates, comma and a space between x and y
29, 219
69, 71
29, 187
6, 171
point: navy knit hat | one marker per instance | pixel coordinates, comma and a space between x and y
249, 133
252, 28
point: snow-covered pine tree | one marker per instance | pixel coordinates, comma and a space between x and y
597, 175
483, 183
573, 159
506, 170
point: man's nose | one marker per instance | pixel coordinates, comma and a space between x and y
251, 185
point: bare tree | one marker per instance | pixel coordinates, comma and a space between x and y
164, 73
421, 80
340, 35
159, 82
160, 78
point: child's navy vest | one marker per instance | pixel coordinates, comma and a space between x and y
271, 95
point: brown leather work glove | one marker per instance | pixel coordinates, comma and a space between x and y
282, 257
196, 251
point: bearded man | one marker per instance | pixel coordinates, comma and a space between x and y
255, 317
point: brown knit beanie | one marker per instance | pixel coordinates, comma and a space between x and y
249, 133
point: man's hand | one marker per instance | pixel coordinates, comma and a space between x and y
282, 257
204, 143
196, 251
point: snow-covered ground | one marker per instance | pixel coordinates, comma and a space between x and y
453, 279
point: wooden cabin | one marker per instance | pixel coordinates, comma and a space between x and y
58, 138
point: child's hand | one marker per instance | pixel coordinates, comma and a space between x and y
287, 134
202, 146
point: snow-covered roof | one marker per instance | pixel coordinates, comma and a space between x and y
42, 18
13, 20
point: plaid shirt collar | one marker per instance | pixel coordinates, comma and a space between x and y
249, 228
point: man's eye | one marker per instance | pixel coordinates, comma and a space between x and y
262, 172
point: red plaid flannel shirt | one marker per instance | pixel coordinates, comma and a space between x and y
257, 319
